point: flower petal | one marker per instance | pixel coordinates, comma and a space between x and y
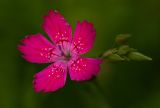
51, 78
84, 37
37, 49
84, 68
57, 27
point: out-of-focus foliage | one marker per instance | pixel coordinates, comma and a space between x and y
126, 85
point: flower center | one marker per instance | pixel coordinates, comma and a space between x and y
65, 49
67, 56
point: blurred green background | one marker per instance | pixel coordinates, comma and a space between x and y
125, 85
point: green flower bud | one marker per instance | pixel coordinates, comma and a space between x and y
123, 50
122, 38
136, 56
115, 58
108, 53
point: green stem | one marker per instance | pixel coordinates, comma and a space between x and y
98, 93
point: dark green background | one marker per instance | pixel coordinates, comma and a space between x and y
125, 85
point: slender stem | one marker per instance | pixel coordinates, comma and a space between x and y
98, 94
99, 88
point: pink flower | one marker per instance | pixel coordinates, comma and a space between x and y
63, 52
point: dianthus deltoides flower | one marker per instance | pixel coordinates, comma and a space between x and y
63, 52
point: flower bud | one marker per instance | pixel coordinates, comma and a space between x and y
122, 38
123, 50
108, 53
136, 56
115, 58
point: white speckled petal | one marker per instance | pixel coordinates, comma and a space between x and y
81, 69
57, 27
51, 78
